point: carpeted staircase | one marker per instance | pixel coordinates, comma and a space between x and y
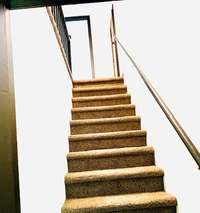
111, 169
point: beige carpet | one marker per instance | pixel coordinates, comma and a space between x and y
111, 168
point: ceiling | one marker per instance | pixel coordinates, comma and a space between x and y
19, 4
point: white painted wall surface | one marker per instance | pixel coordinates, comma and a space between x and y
163, 36
43, 104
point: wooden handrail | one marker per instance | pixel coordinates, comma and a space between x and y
170, 116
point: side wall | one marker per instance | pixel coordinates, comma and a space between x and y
9, 182
163, 37
43, 104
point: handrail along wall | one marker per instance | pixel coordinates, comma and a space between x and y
170, 116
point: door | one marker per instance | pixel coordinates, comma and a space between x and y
82, 58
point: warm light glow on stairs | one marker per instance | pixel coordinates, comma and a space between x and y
111, 169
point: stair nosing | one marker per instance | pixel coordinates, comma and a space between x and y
113, 152
123, 202
107, 135
103, 88
105, 120
113, 174
103, 108
97, 80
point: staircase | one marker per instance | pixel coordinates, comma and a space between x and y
111, 169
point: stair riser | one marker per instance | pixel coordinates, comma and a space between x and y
114, 187
103, 114
106, 102
99, 84
105, 127
171, 209
123, 161
109, 143
99, 92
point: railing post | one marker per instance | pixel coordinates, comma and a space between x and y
113, 48
9, 180
114, 42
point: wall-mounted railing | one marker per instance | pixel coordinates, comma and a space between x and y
170, 116
58, 22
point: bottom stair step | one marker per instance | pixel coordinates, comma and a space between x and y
154, 202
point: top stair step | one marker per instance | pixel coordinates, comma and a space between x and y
99, 91
98, 82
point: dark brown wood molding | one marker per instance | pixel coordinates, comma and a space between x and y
9, 181
19, 4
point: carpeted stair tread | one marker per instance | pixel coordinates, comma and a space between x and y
114, 181
110, 152
103, 97
110, 159
103, 111
99, 91
85, 126
109, 87
120, 203
113, 174
107, 140
104, 120
97, 82
105, 135
104, 100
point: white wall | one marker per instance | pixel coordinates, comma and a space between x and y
164, 38
43, 104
